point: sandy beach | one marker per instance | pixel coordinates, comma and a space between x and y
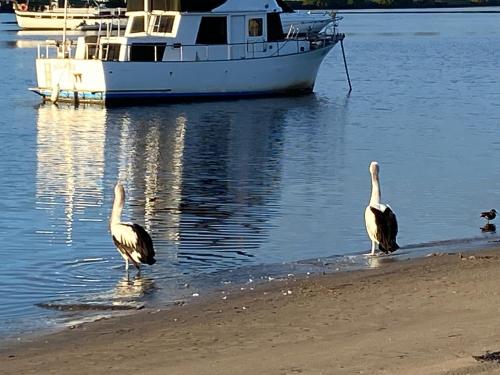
423, 316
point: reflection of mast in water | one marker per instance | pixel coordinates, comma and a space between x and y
70, 165
154, 162
151, 167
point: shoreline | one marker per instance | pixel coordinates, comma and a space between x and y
63, 314
418, 316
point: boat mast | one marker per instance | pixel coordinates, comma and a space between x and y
146, 15
64, 28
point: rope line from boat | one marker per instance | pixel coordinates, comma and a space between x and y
345, 62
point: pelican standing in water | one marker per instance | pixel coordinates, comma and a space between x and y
132, 241
380, 220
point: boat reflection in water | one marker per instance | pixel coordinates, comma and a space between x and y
70, 168
203, 179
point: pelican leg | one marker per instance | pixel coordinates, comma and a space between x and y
373, 249
372, 253
126, 265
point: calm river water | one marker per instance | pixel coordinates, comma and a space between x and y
233, 189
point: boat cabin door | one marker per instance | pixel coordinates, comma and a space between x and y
255, 34
238, 39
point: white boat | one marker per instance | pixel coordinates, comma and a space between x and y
304, 22
307, 22
185, 49
52, 17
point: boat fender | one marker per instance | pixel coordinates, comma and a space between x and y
23, 7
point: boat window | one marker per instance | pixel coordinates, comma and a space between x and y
213, 30
91, 44
147, 52
164, 24
112, 52
137, 24
274, 27
255, 27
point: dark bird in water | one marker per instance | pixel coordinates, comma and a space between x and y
488, 227
489, 215
132, 241
380, 220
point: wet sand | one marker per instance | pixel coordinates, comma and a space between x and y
421, 316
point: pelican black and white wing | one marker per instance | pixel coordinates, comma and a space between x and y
387, 228
134, 243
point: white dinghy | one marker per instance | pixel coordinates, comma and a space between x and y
185, 49
304, 22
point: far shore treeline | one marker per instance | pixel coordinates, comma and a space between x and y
384, 4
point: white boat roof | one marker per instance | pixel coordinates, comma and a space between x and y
207, 6
231, 6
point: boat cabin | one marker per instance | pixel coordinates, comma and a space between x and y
190, 30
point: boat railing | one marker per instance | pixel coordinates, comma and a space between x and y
332, 27
233, 51
293, 32
55, 49
100, 49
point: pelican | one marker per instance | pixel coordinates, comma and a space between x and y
132, 241
489, 215
380, 220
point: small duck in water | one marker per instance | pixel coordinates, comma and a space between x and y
489, 215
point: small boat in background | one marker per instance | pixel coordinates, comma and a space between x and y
95, 15
304, 22
52, 17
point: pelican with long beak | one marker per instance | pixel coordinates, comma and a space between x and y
132, 241
380, 220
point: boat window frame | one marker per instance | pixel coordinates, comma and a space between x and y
255, 27
158, 50
112, 51
274, 27
133, 28
158, 18
205, 34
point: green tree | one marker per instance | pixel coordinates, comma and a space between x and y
316, 3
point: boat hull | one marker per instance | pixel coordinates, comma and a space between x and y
114, 81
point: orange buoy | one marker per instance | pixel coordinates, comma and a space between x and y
23, 7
